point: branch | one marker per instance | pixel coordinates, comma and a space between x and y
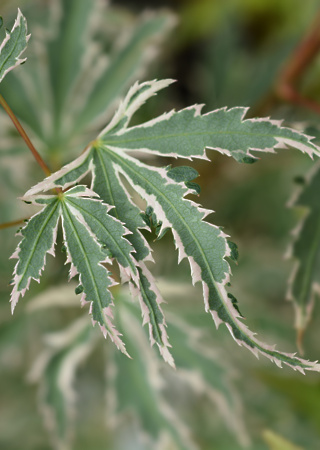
292, 74
24, 136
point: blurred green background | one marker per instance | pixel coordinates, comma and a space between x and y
222, 53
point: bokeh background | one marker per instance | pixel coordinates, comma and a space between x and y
222, 53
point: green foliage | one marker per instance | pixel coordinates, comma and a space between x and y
146, 399
276, 442
63, 102
204, 245
304, 281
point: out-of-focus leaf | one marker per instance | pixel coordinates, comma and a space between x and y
55, 371
72, 81
138, 388
304, 282
302, 395
277, 442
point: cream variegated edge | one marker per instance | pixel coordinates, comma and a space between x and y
79, 168
224, 312
108, 231
228, 127
38, 238
150, 300
209, 266
138, 94
10, 58
93, 258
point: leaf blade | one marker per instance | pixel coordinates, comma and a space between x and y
187, 134
13, 45
39, 236
109, 231
87, 257
204, 245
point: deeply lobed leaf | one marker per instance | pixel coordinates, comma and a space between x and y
90, 234
184, 134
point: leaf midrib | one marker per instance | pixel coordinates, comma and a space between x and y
119, 140
130, 263
85, 257
45, 223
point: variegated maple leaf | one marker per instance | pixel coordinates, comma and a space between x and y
110, 160
13, 45
87, 251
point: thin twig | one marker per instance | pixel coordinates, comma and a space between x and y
287, 87
24, 136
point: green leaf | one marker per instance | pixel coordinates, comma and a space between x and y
13, 45
203, 244
148, 395
304, 282
38, 239
136, 388
66, 50
112, 191
81, 65
187, 134
86, 257
108, 231
183, 173
152, 314
126, 63
234, 252
89, 233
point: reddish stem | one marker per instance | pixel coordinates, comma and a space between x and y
298, 64
24, 136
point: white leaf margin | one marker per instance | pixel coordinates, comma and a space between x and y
18, 22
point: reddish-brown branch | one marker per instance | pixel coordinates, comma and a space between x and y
24, 136
287, 87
